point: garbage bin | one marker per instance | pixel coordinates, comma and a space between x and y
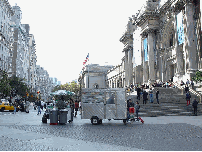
53, 117
62, 116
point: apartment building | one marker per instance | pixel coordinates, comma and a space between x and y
6, 36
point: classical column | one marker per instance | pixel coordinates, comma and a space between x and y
151, 37
179, 62
130, 65
126, 68
190, 37
143, 60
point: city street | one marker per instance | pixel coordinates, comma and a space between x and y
25, 131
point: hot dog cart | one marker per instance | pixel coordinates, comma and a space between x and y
99, 104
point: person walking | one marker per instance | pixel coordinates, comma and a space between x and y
39, 106
166, 84
151, 95
72, 108
138, 93
145, 97
76, 107
188, 97
157, 96
137, 107
44, 105
187, 83
186, 89
192, 84
80, 108
194, 105
15, 105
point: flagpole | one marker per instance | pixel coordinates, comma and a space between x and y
88, 71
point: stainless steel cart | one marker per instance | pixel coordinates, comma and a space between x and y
99, 104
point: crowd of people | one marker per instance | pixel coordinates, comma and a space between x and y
146, 91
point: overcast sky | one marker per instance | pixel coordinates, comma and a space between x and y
66, 31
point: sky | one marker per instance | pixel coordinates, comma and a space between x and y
65, 31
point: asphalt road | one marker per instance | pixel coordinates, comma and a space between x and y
22, 131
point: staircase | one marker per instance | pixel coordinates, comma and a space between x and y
172, 103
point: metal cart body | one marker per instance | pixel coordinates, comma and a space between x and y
98, 104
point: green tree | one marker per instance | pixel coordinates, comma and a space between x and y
197, 77
19, 87
5, 87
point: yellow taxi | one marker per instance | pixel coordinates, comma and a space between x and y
5, 106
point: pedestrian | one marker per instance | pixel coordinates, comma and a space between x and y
187, 83
138, 93
39, 107
151, 95
157, 96
137, 107
194, 105
186, 89
35, 104
76, 107
188, 97
72, 108
131, 86
27, 106
182, 83
42, 104
166, 84
15, 105
145, 97
192, 83
129, 104
80, 108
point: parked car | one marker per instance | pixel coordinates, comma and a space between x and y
5, 106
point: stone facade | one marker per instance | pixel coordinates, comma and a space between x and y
43, 83
116, 76
162, 42
171, 50
6, 35
95, 76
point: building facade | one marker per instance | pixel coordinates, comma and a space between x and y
95, 76
170, 35
163, 42
6, 36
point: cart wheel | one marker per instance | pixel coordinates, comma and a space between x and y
44, 120
69, 121
109, 119
100, 121
124, 121
95, 120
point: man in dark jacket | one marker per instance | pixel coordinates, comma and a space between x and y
138, 93
194, 105
145, 97
39, 106
157, 96
186, 89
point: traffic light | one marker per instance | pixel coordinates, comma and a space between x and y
38, 92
